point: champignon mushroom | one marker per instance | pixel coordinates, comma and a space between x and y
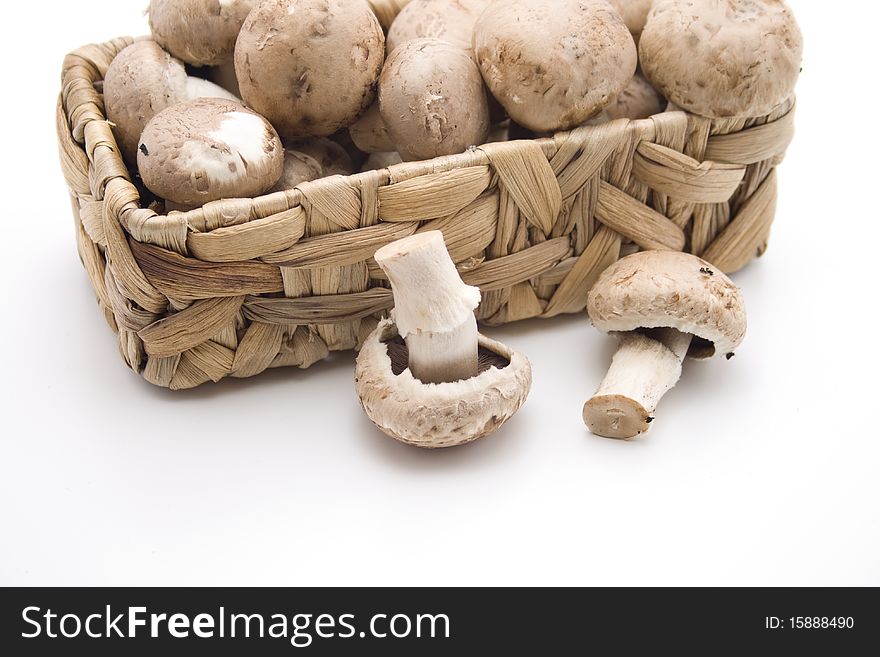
427, 378
638, 101
141, 81
664, 306
370, 134
198, 32
634, 14
432, 100
381, 161
554, 65
333, 159
719, 58
209, 149
448, 20
309, 66
298, 168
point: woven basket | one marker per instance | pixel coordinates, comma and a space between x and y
243, 285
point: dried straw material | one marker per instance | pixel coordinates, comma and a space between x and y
239, 286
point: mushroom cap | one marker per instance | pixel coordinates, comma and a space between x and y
554, 65
333, 158
309, 66
198, 32
638, 101
298, 168
209, 149
657, 289
722, 58
448, 20
141, 81
432, 99
634, 13
370, 134
438, 414
378, 161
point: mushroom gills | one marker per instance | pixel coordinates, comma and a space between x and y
645, 367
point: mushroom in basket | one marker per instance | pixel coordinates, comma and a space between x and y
426, 377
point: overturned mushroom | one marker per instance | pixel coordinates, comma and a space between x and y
209, 149
719, 58
143, 80
664, 306
427, 377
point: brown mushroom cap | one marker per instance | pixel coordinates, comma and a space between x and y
309, 66
198, 32
209, 149
298, 168
722, 58
370, 134
657, 289
432, 99
444, 414
638, 101
141, 81
634, 13
554, 65
333, 158
447, 20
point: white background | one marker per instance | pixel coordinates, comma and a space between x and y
764, 470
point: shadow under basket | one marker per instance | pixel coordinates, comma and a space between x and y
242, 285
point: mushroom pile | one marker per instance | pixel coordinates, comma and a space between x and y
238, 98
449, 75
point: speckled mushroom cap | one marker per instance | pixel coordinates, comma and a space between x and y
141, 81
209, 149
722, 58
198, 32
309, 66
634, 14
449, 20
438, 415
554, 65
656, 289
432, 99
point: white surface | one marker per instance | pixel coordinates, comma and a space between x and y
763, 470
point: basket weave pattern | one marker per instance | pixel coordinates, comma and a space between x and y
239, 286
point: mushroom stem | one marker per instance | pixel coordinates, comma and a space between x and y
433, 308
644, 368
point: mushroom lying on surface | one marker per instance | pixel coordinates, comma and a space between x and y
720, 58
449, 20
209, 149
198, 32
427, 377
664, 306
141, 81
432, 99
309, 66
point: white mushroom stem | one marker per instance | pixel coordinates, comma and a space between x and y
433, 308
644, 368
